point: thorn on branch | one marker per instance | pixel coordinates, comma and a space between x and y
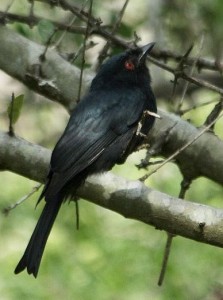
201, 226
185, 56
214, 114
43, 85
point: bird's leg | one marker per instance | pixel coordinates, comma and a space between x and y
150, 113
138, 131
140, 124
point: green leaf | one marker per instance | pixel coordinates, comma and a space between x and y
45, 29
14, 108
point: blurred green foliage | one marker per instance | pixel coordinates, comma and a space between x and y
111, 257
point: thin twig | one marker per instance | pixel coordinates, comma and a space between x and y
74, 56
165, 258
195, 106
191, 73
105, 49
83, 53
11, 128
42, 57
8, 209
48, 43
9, 6
185, 184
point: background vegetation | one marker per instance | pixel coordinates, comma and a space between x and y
111, 257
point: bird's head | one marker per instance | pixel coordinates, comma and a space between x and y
128, 67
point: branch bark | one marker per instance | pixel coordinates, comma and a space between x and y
132, 199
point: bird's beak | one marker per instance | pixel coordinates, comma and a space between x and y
144, 51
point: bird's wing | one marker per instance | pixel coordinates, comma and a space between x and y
93, 126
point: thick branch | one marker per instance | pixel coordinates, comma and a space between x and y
132, 199
54, 77
201, 158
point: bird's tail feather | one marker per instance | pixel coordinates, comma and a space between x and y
32, 256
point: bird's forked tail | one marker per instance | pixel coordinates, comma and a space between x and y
33, 254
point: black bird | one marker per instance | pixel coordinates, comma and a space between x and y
106, 126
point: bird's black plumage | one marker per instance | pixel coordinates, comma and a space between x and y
101, 132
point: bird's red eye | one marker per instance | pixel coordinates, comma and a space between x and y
129, 65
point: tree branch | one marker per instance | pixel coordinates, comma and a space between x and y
202, 158
53, 77
132, 199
